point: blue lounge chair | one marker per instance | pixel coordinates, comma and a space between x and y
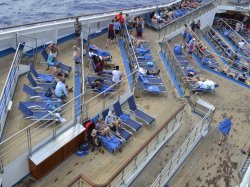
113, 143
124, 134
149, 120
45, 105
148, 80
45, 86
104, 72
99, 51
155, 89
33, 94
134, 125
107, 80
41, 77
63, 67
36, 115
105, 88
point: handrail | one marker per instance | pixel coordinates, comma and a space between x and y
184, 16
132, 46
176, 60
226, 43
192, 135
4, 91
61, 107
85, 15
221, 19
123, 166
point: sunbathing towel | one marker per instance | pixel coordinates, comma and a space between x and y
110, 143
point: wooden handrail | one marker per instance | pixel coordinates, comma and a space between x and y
123, 166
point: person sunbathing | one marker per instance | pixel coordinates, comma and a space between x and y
233, 74
113, 122
135, 41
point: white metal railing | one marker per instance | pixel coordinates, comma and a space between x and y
221, 24
11, 79
135, 163
210, 33
187, 18
246, 180
185, 149
88, 16
38, 132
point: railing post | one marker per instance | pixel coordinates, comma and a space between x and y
29, 141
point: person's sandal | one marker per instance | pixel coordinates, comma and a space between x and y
71, 89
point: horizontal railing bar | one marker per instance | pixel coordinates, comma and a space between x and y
87, 15
123, 166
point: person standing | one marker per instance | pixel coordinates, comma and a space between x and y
139, 28
238, 27
78, 30
77, 59
111, 33
193, 26
116, 75
117, 29
198, 26
224, 128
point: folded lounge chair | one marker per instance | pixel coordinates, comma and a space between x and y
63, 67
124, 134
134, 125
41, 77
149, 120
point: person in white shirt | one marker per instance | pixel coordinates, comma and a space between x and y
113, 122
116, 75
241, 44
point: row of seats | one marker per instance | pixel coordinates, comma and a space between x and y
99, 79
225, 51
189, 75
162, 17
208, 60
130, 125
230, 35
41, 104
148, 73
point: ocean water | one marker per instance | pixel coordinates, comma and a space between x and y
16, 12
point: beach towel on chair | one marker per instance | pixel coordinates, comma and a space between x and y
110, 143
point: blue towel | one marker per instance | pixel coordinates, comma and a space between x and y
225, 126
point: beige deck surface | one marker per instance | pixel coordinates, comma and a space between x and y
5, 64
210, 164
98, 165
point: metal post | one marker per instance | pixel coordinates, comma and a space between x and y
29, 141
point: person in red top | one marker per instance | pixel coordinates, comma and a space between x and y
111, 33
120, 18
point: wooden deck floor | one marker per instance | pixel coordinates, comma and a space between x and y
5, 64
98, 165
210, 164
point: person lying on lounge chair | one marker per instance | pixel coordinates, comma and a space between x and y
97, 84
104, 58
97, 59
135, 41
113, 122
